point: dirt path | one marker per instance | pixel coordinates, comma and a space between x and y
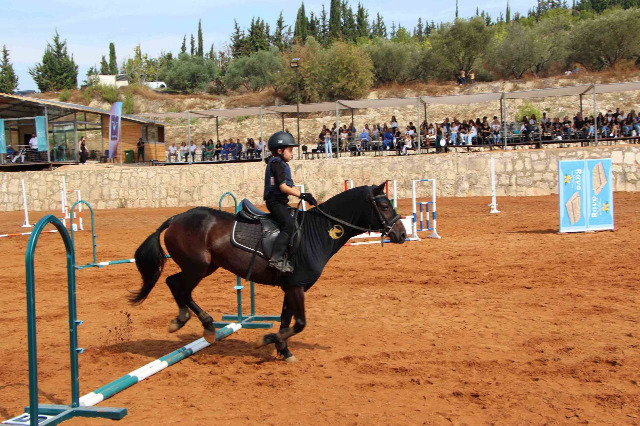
503, 321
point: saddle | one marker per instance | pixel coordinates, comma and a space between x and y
254, 231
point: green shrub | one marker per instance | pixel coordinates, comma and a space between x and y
254, 72
528, 109
64, 95
127, 104
189, 73
107, 93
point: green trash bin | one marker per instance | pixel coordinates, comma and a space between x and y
128, 156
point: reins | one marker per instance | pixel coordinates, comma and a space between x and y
384, 231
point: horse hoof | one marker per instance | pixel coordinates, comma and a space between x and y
291, 359
209, 336
176, 325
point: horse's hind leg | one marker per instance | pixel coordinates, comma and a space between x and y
190, 282
175, 285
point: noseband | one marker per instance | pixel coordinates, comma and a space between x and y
386, 224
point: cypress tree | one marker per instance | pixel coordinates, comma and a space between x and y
193, 45
183, 49
278, 34
335, 20
418, 32
238, 41
200, 40
362, 22
349, 30
379, 28
104, 66
258, 38
301, 28
8, 77
113, 62
58, 70
456, 9
323, 31
508, 14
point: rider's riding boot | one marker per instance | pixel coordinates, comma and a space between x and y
278, 260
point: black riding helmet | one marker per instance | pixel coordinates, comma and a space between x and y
281, 140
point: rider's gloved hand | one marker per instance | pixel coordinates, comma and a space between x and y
306, 196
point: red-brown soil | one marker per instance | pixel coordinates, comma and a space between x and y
503, 321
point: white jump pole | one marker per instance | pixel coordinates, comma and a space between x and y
434, 233
304, 204
63, 197
26, 223
348, 184
494, 203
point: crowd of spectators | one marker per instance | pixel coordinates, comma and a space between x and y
392, 136
485, 131
225, 150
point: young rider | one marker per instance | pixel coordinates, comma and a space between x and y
278, 185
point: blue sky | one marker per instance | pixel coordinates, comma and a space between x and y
160, 25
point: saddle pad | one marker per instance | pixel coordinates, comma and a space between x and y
248, 237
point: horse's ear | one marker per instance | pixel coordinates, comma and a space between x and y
379, 190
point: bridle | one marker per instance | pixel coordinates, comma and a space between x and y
387, 225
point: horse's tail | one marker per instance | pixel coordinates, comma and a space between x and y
150, 259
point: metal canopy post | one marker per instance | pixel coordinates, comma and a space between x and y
503, 112
261, 137
426, 131
595, 116
581, 104
337, 130
75, 136
189, 127
217, 133
418, 123
46, 125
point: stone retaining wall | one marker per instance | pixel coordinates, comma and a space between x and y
519, 173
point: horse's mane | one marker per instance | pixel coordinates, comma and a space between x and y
347, 201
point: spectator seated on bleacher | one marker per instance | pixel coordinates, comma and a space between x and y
496, 127
173, 152
209, 151
226, 147
184, 151
406, 144
233, 147
239, 148
365, 139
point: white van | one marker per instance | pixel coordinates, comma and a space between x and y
156, 85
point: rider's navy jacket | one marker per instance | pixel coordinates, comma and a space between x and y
271, 187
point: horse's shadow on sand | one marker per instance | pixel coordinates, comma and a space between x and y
155, 348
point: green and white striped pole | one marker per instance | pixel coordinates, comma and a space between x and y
126, 381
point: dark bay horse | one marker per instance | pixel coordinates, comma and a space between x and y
198, 240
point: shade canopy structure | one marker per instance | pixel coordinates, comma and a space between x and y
351, 105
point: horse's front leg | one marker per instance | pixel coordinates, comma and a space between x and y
292, 306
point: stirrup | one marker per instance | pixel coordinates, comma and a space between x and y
281, 265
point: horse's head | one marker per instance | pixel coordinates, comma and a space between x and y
385, 217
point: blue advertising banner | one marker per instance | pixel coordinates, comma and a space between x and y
3, 142
114, 129
572, 193
600, 192
585, 195
41, 133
